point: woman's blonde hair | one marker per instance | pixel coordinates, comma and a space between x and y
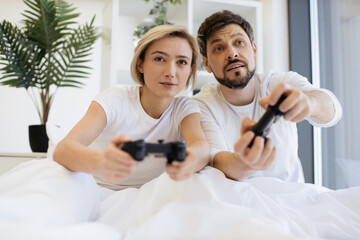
157, 33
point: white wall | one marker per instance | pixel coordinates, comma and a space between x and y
70, 104
275, 35
17, 110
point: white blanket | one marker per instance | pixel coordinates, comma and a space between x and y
43, 200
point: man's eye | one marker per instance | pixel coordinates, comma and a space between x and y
218, 49
240, 42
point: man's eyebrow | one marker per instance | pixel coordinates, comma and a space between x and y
238, 34
166, 54
215, 40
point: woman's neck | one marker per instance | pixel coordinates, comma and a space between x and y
152, 104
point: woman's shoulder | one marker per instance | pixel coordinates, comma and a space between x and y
122, 91
121, 88
183, 102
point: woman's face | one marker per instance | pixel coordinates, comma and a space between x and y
167, 66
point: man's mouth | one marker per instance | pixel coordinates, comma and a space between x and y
235, 65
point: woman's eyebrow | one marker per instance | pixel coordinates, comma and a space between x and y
166, 54
160, 52
182, 56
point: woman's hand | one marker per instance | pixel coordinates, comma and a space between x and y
179, 171
115, 165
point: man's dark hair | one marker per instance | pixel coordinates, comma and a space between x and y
217, 21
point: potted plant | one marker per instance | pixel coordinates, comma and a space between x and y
159, 11
45, 54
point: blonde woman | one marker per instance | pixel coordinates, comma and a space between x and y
164, 64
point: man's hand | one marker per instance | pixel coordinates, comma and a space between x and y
115, 165
259, 157
297, 105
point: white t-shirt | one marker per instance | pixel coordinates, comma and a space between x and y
221, 122
125, 115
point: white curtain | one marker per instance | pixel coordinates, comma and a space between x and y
339, 40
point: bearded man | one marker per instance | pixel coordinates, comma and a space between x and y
232, 106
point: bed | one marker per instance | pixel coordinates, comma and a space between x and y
40, 199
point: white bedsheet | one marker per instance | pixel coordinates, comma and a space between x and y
43, 200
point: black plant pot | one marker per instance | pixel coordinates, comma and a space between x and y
38, 138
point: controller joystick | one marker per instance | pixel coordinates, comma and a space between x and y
172, 151
271, 115
136, 149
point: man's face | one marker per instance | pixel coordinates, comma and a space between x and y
231, 57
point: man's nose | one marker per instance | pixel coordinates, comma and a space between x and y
232, 54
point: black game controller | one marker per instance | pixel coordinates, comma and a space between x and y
271, 115
172, 151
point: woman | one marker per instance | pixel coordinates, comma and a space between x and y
164, 63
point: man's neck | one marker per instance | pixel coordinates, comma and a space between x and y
239, 97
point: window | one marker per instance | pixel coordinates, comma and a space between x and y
339, 71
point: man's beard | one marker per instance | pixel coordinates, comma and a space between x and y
239, 82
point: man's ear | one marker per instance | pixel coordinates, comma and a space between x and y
139, 65
254, 49
206, 64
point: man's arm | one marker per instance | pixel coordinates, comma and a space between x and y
245, 161
318, 106
322, 107
237, 161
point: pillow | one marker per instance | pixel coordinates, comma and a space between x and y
55, 134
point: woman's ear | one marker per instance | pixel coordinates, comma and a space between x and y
206, 64
139, 65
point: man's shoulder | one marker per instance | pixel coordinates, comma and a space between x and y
210, 99
207, 92
267, 81
277, 75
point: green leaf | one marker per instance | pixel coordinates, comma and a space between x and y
47, 53
20, 55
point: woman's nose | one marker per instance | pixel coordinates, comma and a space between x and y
170, 72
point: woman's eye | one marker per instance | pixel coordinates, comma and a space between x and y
183, 62
159, 59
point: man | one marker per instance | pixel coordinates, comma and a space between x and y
230, 108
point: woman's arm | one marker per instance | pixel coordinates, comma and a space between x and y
195, 139
72, 151
111, 165
197, 150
